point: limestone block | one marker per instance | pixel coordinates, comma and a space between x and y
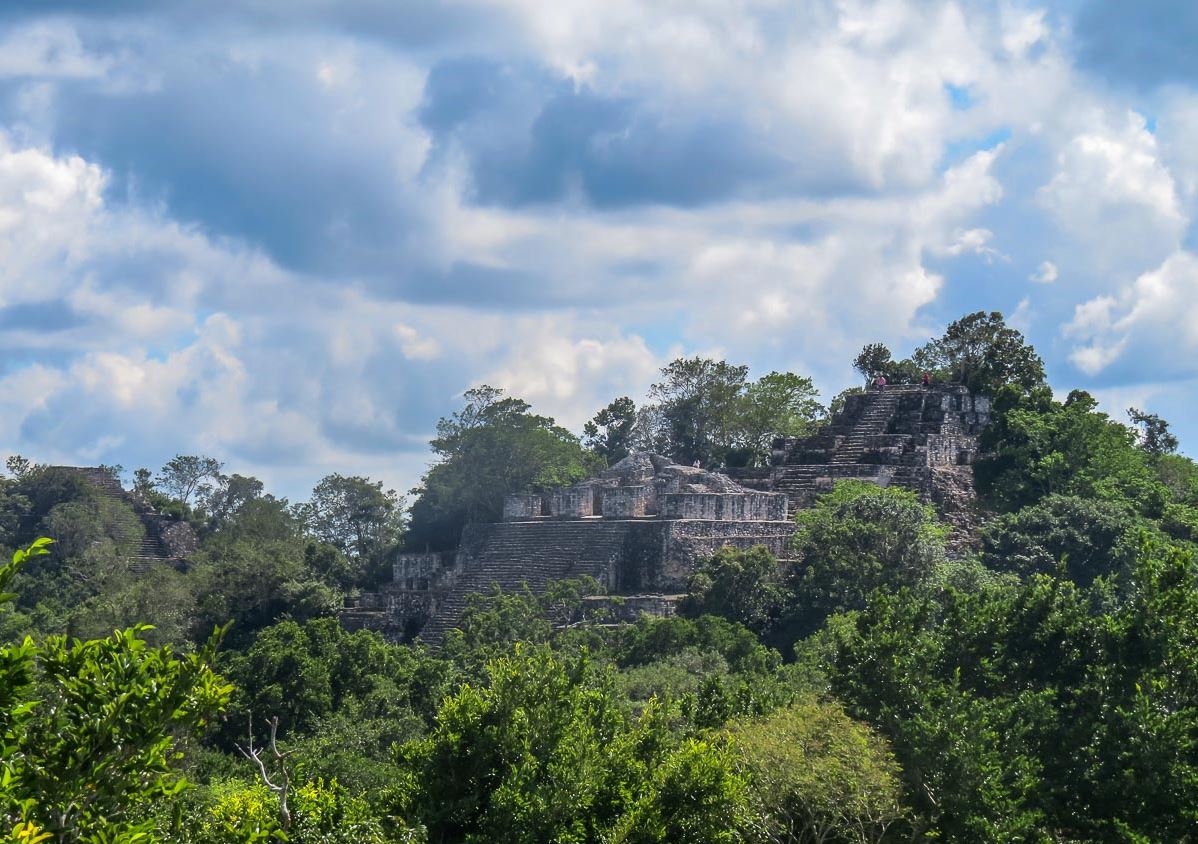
572, 502
519, 508
625, 502
691, 505
408, 567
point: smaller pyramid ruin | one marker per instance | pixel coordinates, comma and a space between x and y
164, 540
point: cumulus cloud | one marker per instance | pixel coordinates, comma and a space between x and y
1114, 180
292, 240
1046, 273
1151, 327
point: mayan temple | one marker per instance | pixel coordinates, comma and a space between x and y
641, 527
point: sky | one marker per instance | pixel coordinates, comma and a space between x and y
291, 235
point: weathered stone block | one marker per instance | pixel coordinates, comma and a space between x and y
625, 502
519, 508
572, 503
410, 570
690, 505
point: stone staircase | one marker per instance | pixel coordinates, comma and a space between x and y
150, 549
877, 438
874, 420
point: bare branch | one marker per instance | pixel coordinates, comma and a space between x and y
282, 791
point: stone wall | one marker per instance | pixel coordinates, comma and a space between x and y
629, 556
625, 502
689, 542
745, 506
626, 609
520, 508
573, 502
419, 571
178, 539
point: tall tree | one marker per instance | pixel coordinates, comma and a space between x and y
231, 493
358, 517
817, 775
493, 446
780, 404
1037, 446
873, 359
857, 538
741, 585
609, 433
699, 400
982, 352
545, 751
1152, 432
188, 477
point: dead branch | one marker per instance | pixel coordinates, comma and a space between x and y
283, 787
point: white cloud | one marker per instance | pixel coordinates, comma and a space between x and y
49, 49
1113, 195
974, 241
571, 377
1153, 322
185, 340
1046, 273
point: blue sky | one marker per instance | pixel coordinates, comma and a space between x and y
290, 235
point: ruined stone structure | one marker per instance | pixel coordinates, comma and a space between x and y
921, 438
641, 527
164, 539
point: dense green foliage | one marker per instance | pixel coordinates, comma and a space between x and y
610, 433
710, 411
982, 352
978, 350
492, 447
878, 684
88, 729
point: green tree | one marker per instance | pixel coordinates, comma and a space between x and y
255, 583
699, 400
874, 359
231, 493
1152, 433
817, 775
89, 728
188, 477
982, 352
1037, 447
1086, 538
359, 518
780, 404
491, 447
609, 434
303, 673
1040, 710
857, 538
741, 585
143, 482
19, 466
545, 752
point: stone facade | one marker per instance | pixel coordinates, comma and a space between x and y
641, 527
626, 502
518, 508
